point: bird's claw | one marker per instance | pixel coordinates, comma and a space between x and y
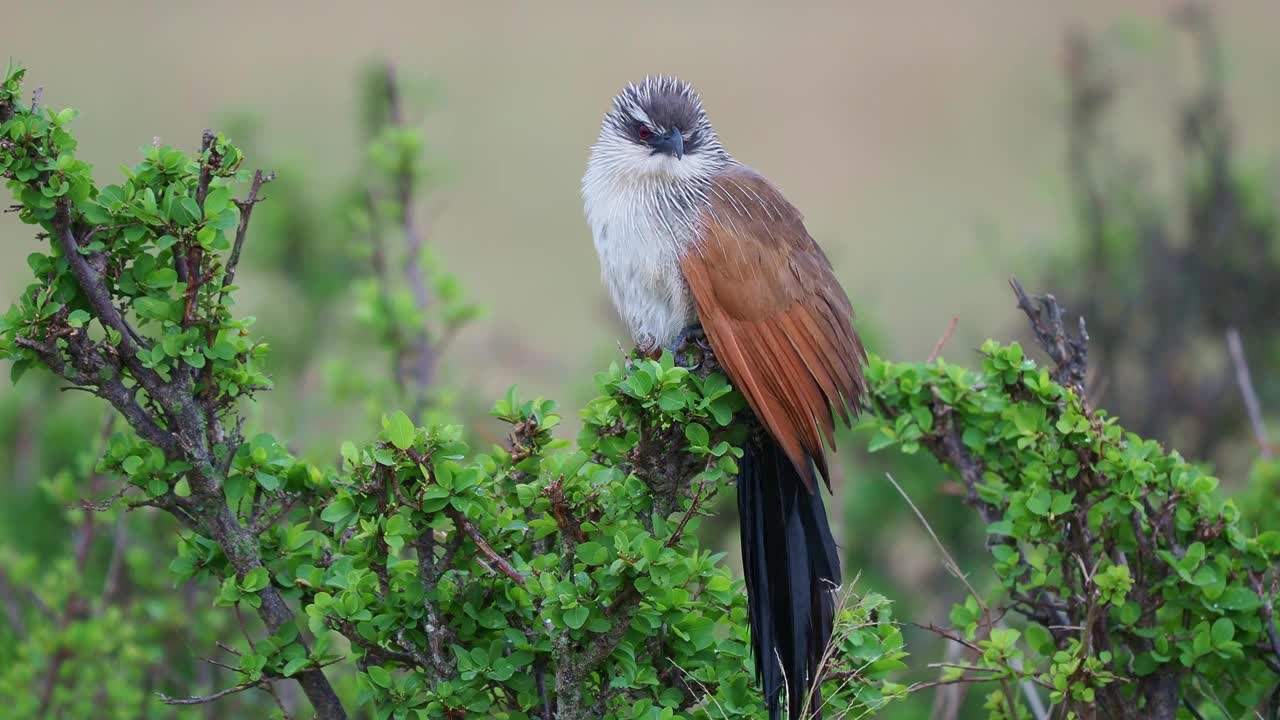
692, 344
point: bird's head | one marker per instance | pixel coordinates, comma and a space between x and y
658, 129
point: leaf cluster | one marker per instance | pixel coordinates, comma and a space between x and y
1131, 569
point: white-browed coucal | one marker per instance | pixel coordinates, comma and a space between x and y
688, 236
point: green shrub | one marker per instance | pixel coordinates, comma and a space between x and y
491, 585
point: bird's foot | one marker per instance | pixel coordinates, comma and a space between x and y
692, 350
647, 345
690, 338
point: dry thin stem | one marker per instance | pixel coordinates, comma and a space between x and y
246, 209
948, 562
954, 568
1251, 404
202, 699
937, 348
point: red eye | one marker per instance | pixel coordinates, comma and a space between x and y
643, 131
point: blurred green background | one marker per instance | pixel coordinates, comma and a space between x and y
931, 132
928, 147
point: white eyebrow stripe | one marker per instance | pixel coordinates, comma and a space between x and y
640, 114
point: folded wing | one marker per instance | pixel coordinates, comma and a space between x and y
776, 317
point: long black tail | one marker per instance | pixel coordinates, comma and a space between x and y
792, 569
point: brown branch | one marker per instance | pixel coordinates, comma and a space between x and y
498, 561
949, 447
99, 297
207, 167
462, 523
949, 635
698, 499
561, 510
372, 649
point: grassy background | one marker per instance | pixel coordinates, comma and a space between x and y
924, 145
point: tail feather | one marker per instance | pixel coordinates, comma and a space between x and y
792, 570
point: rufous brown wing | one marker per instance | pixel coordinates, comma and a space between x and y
777, 319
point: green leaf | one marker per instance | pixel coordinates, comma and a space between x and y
1270, 541
1201, 643
161, 278
400, 430
236, 486
267, 481
216, 201
593, 553
1240, 598
78, 318
1062, 503
193, 210
1040, 502
255, 580
379, 676
337, 510
1223, 632
153, 308
882, 439
697, 435
576, 617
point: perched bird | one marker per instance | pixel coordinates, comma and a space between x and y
688, 236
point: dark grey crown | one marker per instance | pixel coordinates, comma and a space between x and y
659, 105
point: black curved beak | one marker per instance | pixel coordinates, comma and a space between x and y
672, 144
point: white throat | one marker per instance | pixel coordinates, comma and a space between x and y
645, 211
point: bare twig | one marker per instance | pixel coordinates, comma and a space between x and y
1251, 404
246, 209
500, 562
694, 506
462, 523
1069, 354
948, 562
937, 348
202, 699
